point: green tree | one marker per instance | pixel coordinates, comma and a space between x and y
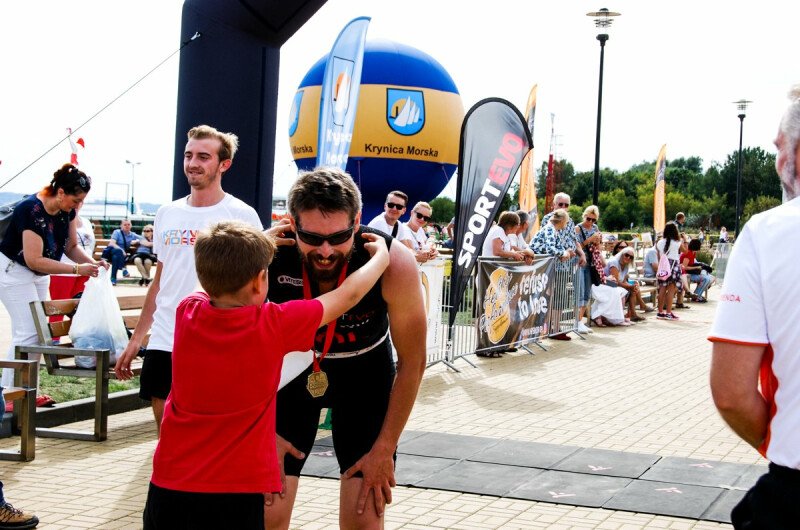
444, 209
757, 205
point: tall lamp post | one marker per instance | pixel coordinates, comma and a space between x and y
133, 178
602, 20
741, 106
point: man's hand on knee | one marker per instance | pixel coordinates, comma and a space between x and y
283, 448
378, 478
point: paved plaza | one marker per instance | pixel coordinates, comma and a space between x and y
641, 389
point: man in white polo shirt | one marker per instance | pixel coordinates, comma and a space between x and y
756, 338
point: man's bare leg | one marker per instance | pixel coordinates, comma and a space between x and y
349, 518
278, 515
158, 412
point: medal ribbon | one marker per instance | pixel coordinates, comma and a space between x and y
332, 325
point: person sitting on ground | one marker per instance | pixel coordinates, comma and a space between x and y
423, 246
694, 272
231, 321
669, 246
497, 243
144, 258
617, 270
119, 249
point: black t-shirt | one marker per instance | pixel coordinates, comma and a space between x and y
358, 328
31, 215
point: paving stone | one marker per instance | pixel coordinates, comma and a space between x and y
444, 445
696, 472
577, 489
479, 478
663, 498
609, 463
720, 510
527, 454
327, 441
410, 470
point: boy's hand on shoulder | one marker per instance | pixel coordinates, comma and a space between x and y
376, 246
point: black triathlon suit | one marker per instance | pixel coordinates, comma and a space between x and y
359, 386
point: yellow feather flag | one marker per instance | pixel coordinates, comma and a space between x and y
527, 178
659, 212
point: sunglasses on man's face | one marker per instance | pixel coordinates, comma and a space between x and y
316, 240
396, 206
425, 218
563, 204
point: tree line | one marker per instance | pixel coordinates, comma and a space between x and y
626, 198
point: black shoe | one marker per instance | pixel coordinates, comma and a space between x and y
141, 282
147, 281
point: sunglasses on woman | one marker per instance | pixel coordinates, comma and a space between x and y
316, 240
592, 219
425, 218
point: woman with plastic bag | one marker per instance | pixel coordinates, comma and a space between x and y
42, 229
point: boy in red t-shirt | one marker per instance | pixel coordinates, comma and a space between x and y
216, 457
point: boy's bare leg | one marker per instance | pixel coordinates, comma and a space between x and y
278, 515
158, 412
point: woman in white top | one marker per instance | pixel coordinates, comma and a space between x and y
86, 237
669, 246
497, 243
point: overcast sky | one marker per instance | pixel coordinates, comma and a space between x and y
672, 71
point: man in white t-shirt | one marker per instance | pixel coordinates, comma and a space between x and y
755, 367
424, 248
208, 155
389, 221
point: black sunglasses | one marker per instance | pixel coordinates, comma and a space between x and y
426, 218
592, 219
396, 206
316, 240
563, 204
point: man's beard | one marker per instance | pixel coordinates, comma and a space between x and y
329, 274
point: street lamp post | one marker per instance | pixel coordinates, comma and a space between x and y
602, 20
741, 106
133, 178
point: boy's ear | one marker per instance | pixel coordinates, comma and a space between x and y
258, 280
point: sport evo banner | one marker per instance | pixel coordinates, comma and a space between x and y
339, 96
494, 140
513, 301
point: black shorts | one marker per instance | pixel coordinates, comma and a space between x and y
177, 510
771, 503
358, 396
156, 378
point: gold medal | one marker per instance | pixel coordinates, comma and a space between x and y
317, 384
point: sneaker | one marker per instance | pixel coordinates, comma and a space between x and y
147, 281
663, 316
141, 282
673, 316
125, 273
114, 281
583, 328
10, 517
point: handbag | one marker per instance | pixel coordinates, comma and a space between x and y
664, 267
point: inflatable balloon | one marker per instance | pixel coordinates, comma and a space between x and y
407, 127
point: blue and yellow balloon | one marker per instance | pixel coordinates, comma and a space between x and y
407, 127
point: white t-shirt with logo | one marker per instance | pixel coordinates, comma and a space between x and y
759, 307
403, 232
175, 230
495, 232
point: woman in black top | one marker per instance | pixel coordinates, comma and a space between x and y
42, 229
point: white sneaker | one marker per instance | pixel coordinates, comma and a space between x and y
583, 328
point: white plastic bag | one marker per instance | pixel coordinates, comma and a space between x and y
97, 323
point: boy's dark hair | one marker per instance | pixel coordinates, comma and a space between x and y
327, 189
694, 245
229, 254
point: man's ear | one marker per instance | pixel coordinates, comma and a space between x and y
225, 165
357, 222
292, 223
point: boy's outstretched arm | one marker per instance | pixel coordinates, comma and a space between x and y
355, 286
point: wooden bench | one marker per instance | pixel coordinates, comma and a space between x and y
23, 395
60, 359
99, 246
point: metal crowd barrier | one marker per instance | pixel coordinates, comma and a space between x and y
461, 341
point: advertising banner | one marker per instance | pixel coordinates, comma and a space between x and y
513, 302
432, 277
494, 140
339, 97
